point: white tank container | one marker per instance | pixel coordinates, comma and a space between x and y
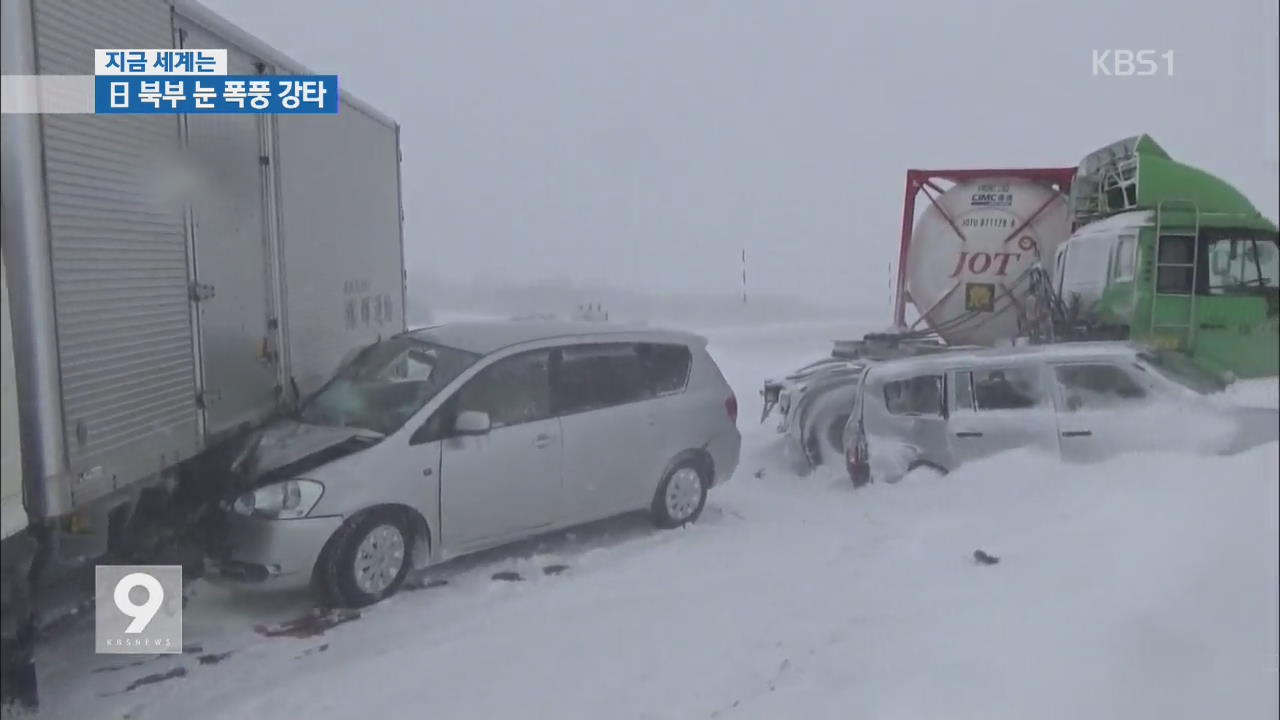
966, 268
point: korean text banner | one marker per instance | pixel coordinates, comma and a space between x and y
216, 95
161, 61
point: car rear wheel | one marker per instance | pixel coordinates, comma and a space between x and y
824, 437
680, 496
368, 560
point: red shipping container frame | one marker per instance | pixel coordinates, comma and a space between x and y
918, 180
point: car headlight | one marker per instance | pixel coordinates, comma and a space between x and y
280, 501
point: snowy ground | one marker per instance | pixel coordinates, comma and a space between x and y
1143, 588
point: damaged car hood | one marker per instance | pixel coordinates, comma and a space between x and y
288, 447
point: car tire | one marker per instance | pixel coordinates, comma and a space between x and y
368, 559
822, 428
859, 474
680, 496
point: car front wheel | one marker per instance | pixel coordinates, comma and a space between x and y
368, 560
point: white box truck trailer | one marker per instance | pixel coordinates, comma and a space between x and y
170, 283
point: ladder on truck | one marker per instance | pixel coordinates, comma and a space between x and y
1177, 225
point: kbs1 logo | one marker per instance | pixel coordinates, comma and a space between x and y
138, 609
171, 82
1132, 63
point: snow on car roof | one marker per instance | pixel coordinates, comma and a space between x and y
486, 336
1059, 351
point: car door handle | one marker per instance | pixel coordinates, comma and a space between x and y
1077, 433
968, 434
543, 440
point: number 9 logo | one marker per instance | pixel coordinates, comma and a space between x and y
144, 613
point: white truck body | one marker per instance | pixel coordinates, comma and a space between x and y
203, 267
170, 281
13, 514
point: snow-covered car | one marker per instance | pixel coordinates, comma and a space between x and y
814, 402
460, 437
1081, 401
813, 405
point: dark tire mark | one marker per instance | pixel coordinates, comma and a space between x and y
311, 625
157, 677
215, 658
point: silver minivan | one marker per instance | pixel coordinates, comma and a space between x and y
1081, 401
460, 437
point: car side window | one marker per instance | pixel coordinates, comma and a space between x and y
920, 395
1012, 388
595, 376
1097, 386
963, 382
666, 366
512, 391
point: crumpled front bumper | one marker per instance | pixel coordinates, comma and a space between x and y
270, 554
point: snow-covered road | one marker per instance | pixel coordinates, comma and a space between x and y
1142, 588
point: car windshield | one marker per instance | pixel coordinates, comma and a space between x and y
386, 384
1179, 368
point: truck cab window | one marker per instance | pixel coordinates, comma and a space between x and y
1242, 265
1125, 252
1175, 273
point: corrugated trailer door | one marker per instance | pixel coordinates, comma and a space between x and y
119, 259
237, 343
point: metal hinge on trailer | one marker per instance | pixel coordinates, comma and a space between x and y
200, 292
207, 398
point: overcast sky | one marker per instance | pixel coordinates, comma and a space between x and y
647, 143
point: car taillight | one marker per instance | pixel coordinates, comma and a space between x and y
731, 407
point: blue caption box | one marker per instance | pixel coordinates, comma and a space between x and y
216, 95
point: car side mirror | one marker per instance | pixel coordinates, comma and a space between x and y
472, 422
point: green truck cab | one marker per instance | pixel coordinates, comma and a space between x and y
1167, 254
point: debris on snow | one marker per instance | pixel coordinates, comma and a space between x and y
983, 558
310, 625
156, 677
215, 658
